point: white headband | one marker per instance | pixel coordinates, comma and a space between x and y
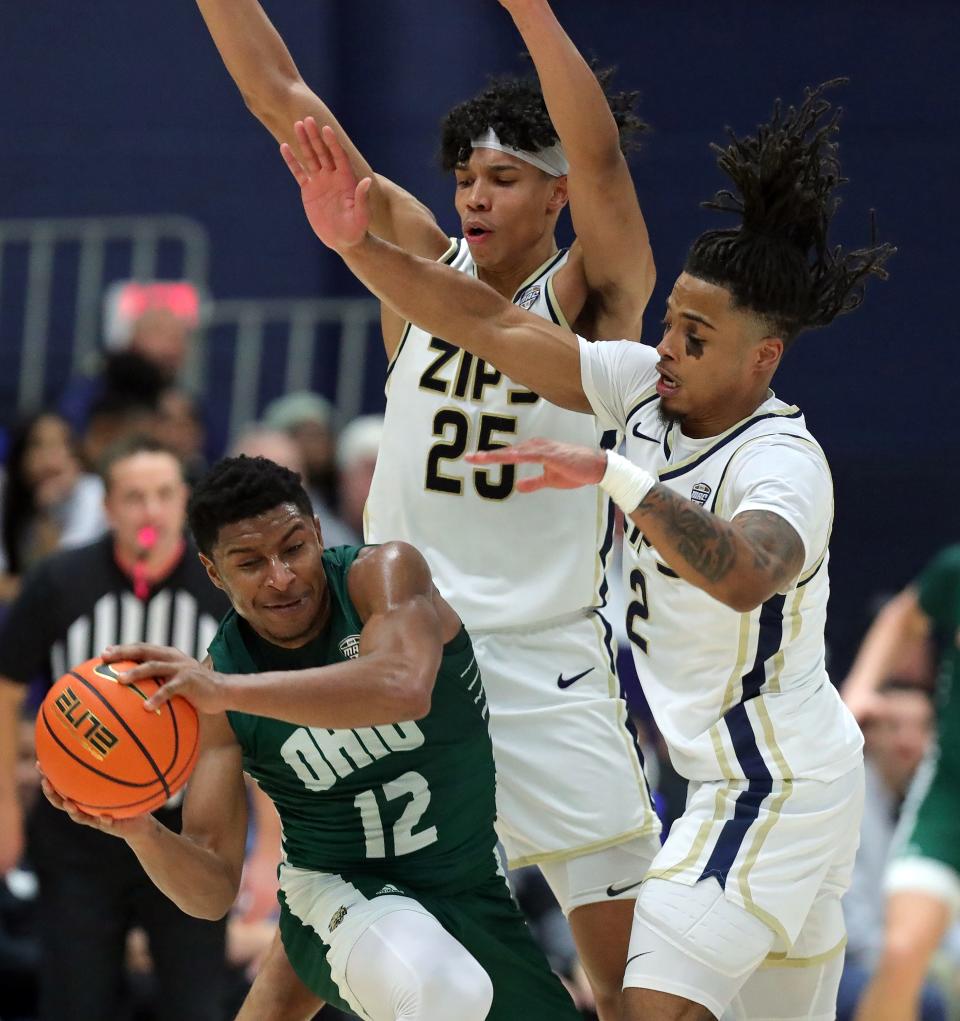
551, 161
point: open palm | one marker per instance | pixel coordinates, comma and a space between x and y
565, 465
334, 201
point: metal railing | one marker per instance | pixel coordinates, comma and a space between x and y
134, 244
299, 321
59, 269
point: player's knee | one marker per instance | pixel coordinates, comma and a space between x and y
903, 959
701, 923
609, 1002
457, 987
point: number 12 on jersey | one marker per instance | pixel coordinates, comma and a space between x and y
405, 841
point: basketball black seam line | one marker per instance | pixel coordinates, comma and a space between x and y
166, 705
86, 765
127, 728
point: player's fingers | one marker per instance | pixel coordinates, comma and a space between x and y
311, 161
322, 148
149, 671
163, 694
338, 157
49, 792
532, 485
140, 652
363, 190
293, 164
318, 143
505, 455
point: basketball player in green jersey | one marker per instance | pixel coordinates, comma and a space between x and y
348, 689
517, 154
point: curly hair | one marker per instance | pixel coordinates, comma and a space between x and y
241, 487
778, 263
515, 109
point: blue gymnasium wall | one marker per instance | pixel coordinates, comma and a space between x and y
115, 107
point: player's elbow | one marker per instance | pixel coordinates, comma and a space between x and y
419, 698
411, 693
745, 595
277, 102
212, 911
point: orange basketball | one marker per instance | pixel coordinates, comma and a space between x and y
101, 749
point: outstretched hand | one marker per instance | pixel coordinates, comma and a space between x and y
565, 465
336, 204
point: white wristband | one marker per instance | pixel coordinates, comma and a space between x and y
626, 483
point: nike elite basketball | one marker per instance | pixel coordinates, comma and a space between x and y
101, 749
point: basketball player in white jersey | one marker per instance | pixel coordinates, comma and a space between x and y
571, 794
730, 500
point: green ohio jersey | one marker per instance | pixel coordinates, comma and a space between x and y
939, 598
411, 800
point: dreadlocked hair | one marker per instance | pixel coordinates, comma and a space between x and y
777, 263
515, 109
241, 487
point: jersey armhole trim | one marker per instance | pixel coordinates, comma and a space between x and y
553, 305
445, 260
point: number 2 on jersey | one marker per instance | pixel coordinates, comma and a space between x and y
453, 429
405, 841
638, 610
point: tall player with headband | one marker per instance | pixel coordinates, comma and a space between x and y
571, 794
730, 500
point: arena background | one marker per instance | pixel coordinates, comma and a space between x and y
113, 108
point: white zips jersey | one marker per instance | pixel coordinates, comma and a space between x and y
740, 696
502, 559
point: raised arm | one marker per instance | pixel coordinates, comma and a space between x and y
406, 624
273, 90
451, 305
612, 254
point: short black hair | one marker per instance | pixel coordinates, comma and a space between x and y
241, 487
130, 446
778, 263
514, 108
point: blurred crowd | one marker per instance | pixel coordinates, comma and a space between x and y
52, 498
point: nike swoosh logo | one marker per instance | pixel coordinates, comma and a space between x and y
643, 436
615, 891
565, 682
635, 956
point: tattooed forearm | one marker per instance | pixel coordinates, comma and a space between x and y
740, 562
777, 549
702, 539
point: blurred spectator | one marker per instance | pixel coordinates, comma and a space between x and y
357, 450
19, 936
896, 742
49, 502
179, 426
307, 417
922, 880
126, 404
278, 446
153, 320
141, 581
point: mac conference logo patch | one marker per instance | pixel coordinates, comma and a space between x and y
350, 646
701, 493
529, 297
